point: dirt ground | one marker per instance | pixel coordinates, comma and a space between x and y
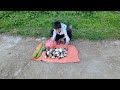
99, 60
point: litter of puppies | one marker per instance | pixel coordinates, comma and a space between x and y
55, 53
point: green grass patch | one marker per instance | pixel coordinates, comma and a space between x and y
97, 25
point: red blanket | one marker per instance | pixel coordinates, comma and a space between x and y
72, 55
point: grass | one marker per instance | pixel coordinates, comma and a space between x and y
97, 25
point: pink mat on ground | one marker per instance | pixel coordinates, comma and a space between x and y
72, 56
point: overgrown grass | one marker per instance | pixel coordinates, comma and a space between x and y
95, 25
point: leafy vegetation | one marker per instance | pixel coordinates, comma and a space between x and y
93, 25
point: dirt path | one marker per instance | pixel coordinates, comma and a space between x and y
98, 60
